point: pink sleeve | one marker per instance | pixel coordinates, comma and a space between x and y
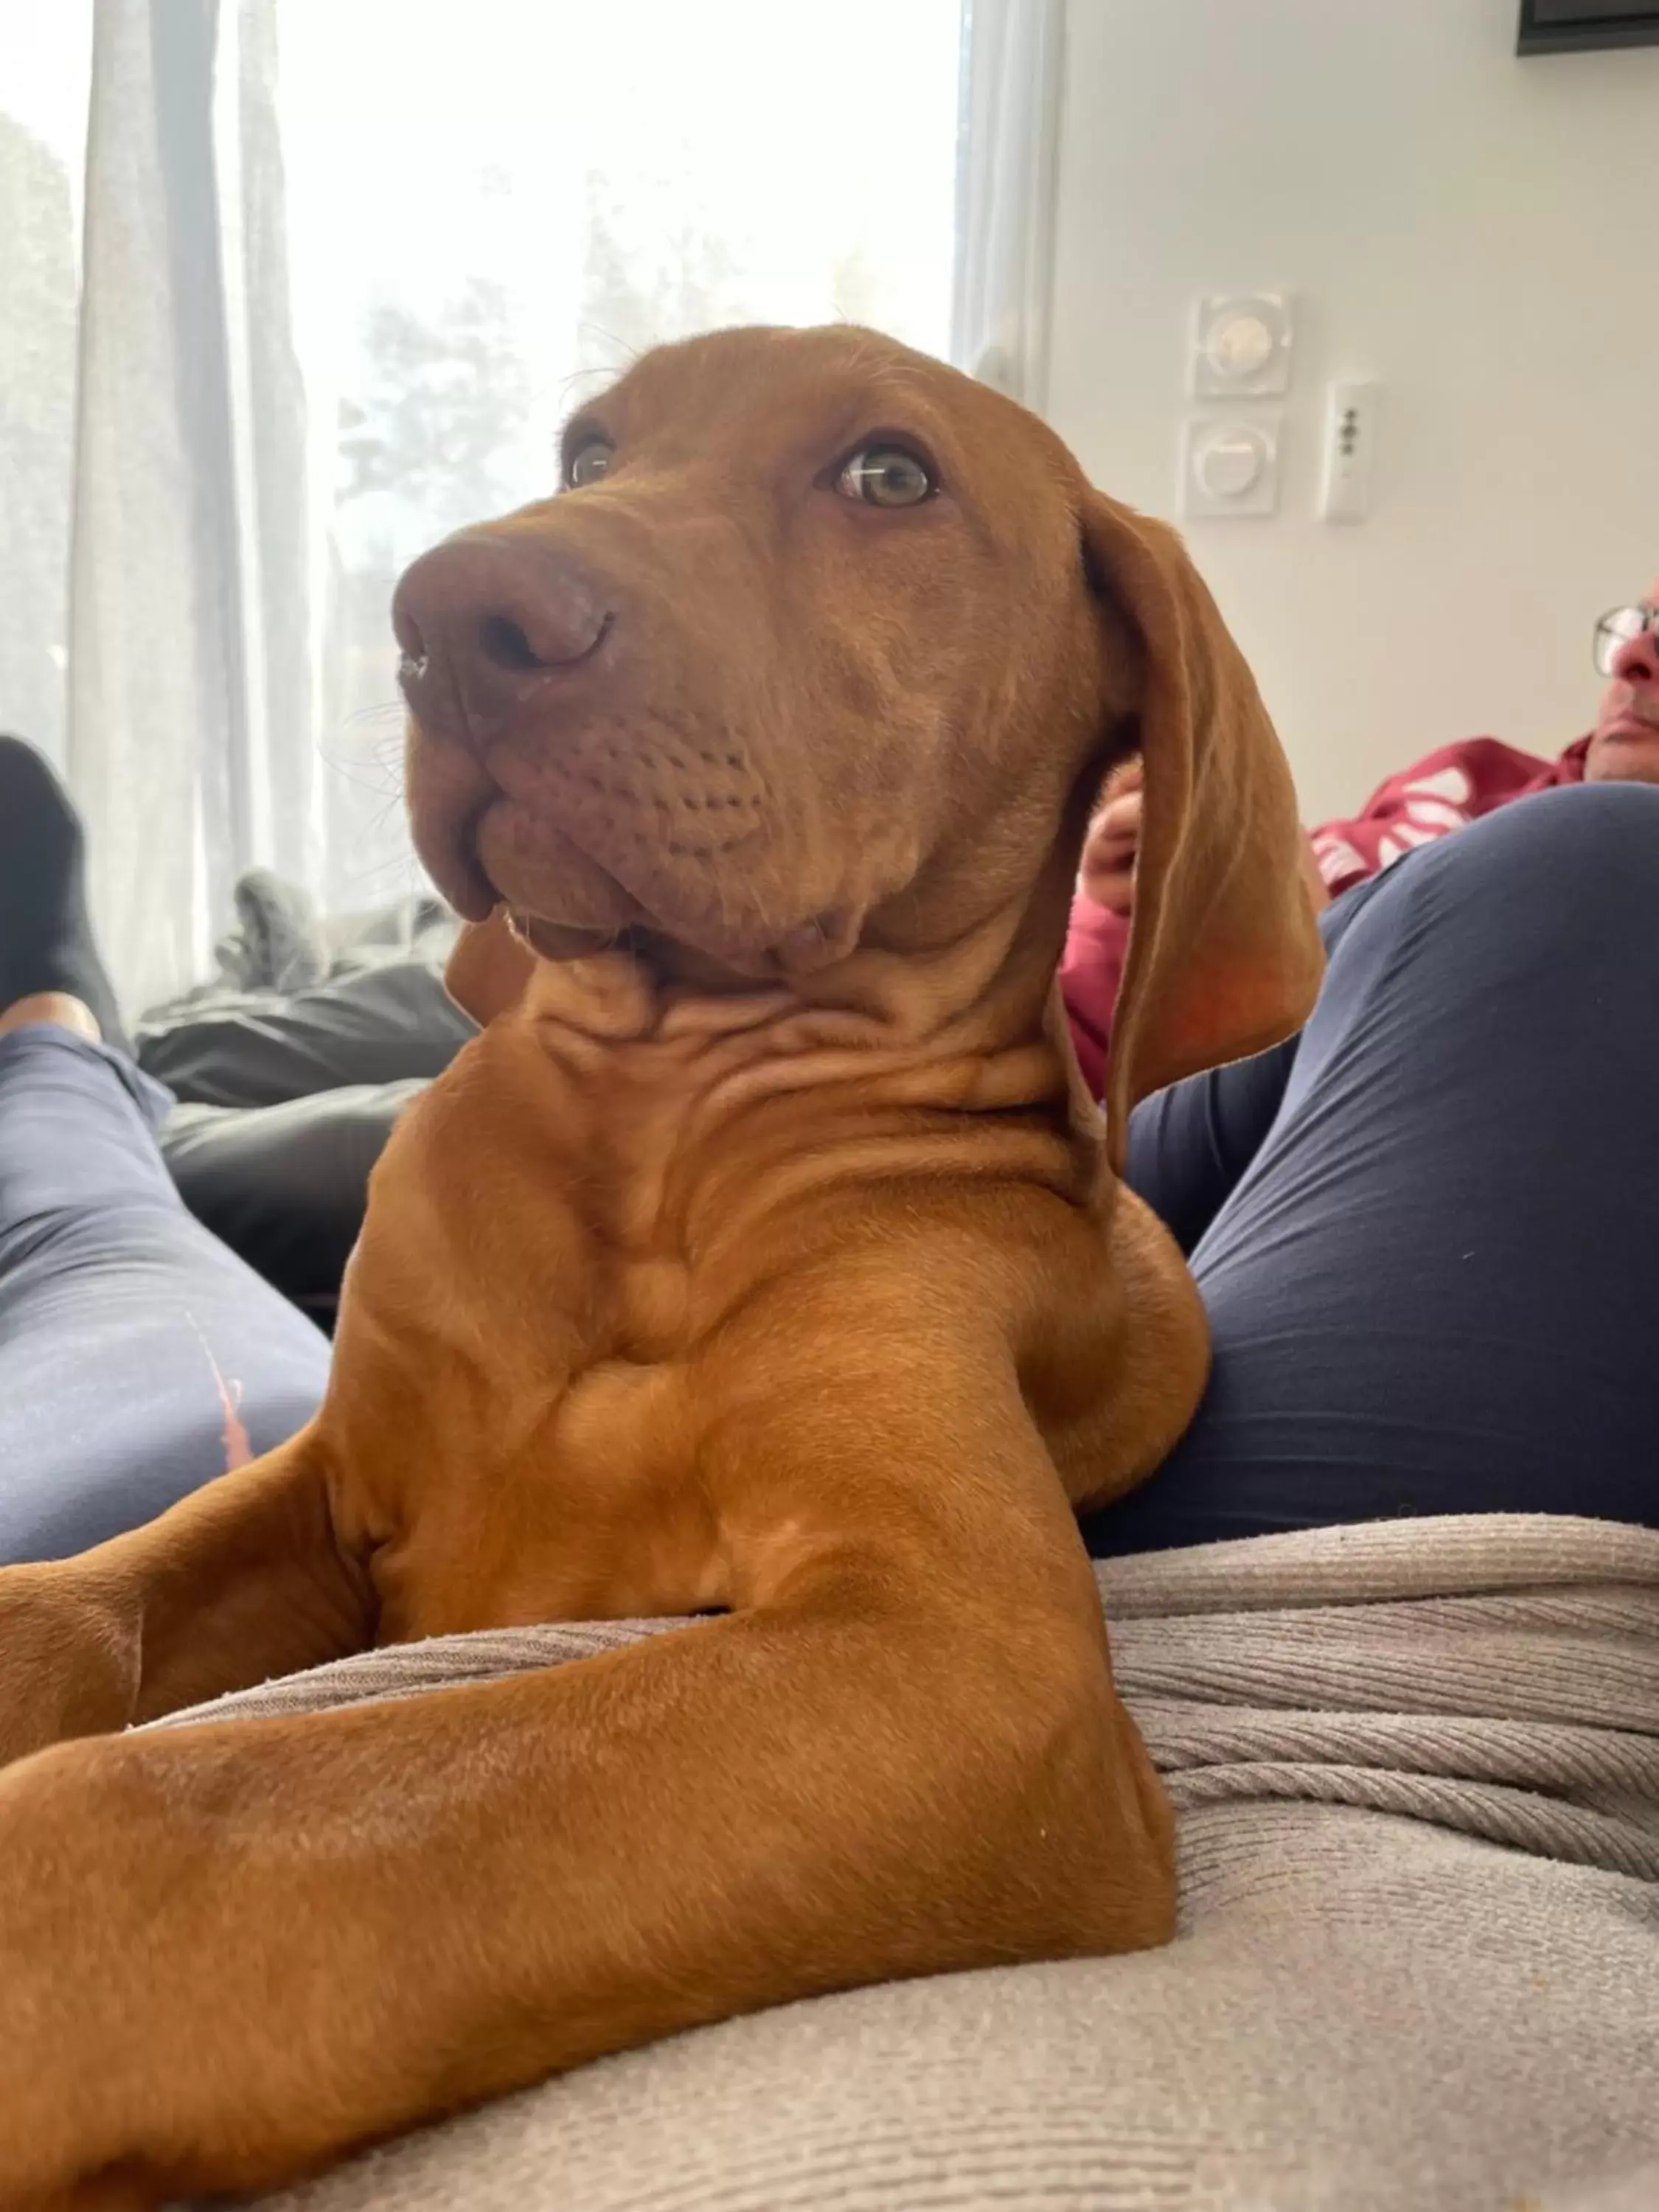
1091, 976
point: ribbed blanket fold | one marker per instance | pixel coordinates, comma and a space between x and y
1417, 1764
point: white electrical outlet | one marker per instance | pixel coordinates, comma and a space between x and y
1350, 450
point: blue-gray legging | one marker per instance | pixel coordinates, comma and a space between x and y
1426, 1231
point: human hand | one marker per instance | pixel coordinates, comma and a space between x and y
1106, 873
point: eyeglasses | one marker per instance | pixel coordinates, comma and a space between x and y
1615, 630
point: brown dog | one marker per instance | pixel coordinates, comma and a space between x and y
763, 1259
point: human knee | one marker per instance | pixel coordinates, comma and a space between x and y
1562, 885
1586, 849
1586, 831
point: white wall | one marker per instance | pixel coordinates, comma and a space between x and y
1480, 233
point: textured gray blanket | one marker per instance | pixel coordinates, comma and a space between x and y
1417, 1764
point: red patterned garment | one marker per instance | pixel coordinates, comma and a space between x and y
1458, 784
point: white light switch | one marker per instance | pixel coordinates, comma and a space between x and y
1350, 450
1228, 468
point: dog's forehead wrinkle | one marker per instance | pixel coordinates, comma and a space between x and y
740, 375
734, 386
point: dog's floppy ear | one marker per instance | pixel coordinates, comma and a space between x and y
1224, 958
490, 968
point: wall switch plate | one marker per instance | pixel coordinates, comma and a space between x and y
1228, 467
1345, 493
1240, 346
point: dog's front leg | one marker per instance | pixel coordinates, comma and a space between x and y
234, 1950
238, 1582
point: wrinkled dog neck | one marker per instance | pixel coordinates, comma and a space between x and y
982, 992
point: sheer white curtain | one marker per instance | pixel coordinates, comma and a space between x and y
343, 265
1013, 75
45, 55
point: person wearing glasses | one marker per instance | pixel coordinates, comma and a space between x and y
1461, 782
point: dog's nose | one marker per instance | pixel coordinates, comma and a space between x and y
491, 621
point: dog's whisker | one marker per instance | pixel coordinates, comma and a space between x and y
382, 711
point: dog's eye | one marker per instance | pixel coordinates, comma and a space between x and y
886, 476
590, 461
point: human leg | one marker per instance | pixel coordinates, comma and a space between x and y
138, 1358
1432, 1288
384, 1024
286, 1186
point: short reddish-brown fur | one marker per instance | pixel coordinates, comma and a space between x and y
762, 1258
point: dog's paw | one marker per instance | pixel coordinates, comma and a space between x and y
68, 1666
